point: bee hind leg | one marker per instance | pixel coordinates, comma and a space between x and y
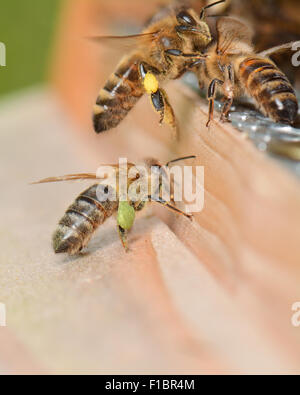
123, 237
161, 104
158, 97
228, 89
211, 94
226, 109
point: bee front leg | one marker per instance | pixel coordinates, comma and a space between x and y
170, 207
211, 97
228, 89
159, 98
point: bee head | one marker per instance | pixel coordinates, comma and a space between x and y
157, 170
190, 25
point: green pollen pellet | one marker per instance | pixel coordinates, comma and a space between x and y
126, 215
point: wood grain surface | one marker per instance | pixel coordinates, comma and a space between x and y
210, 296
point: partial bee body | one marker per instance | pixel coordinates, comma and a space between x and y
270, 88
119, 95
233, 68
169, 46
274, 21
81, 220
99, 202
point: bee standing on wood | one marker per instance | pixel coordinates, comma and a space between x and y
233, 68
100, 201
169, 46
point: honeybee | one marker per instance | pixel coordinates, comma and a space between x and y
169, 46
234, 68
101, 200
274, 21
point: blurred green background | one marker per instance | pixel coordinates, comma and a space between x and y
26, 28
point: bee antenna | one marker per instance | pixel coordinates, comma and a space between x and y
202, 13
182, 158
216, 16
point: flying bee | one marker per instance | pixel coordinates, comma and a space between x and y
233, 68
101, 200
170, 45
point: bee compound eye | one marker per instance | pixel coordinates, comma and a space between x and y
185, 18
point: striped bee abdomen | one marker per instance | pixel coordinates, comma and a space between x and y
119, 95
270, 88
82, 218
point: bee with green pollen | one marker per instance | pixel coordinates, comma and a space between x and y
101, 200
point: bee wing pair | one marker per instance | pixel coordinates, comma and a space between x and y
69, 177
74, 177
79, 176
231, 32
94, 176
126, 42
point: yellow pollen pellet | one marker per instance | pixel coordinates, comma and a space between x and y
150, 83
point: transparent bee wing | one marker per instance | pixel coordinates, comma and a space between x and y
80, 176
68, 177
126, 42
279, 49
232, 34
